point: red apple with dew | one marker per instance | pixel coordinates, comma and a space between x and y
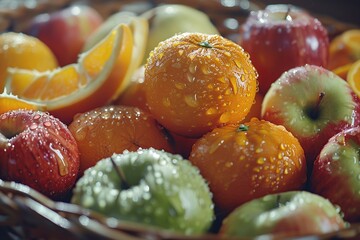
65, 31
336, 172
285, 215
282, 37
313, 104
38, 150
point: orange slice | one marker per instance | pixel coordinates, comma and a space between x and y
98, 77
10, 102
342, 70
344, 49
353, 77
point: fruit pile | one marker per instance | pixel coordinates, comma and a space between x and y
156, 119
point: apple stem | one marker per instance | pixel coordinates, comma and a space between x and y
120, 173
287, 14
314, 112
278, 201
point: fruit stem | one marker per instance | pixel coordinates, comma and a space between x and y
278, 201
120, 173
205, 44
287, 14
314, 112
242, 128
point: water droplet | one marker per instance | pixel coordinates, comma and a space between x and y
80, 134
36, 116
160, 55
47, 124
225, 117
260, 160
222, 79
105, 115
181, 52
191, 100
166, 102
234, 86
229, 164
227, 54
62, 163
192, 68
180, 86
211, 111
33, 126
205, 70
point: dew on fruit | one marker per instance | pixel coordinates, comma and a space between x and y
33, 126
234, 85
260, 160
225, 117
166, 102
62, 163
229, 164
211, 111
180, 86
36, 116
191, 100
47, 124
190, 77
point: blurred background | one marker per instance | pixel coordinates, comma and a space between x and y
336, 15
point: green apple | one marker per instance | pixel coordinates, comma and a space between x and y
151, 187
293, 213
170, 19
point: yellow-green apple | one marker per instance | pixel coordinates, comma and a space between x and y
65, 31
286, 215
169, 19
38, 150
314, 104
150, 187
336, 172
282, 37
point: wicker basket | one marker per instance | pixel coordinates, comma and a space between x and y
27, 214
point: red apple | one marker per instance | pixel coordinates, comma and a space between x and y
313, 104
286, 215
281, 37
336, 172
38, 150
65, 31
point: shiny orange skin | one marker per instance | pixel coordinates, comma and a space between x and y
112, 129
247, 161
195, 82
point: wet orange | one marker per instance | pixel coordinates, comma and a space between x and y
23, 51
249, 160
344, 49
195, 82
134, 94
113, 129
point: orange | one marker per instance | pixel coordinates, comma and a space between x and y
134, 94
342, 71
249, 160
10, 102
23, 51
344, 49
195, 82
99, 76
112, 129
353, 77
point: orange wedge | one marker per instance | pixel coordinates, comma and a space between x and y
353, 77
342, 71
10, 102
98, 77
344, 49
